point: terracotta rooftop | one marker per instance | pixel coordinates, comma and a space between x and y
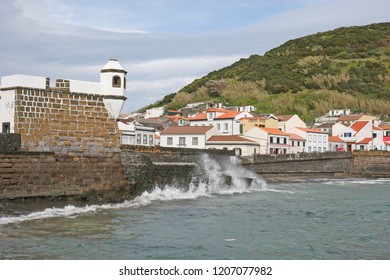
335, 139
284, 118
311, 130
294, 136
385, 127
358, 125
350, 118
273, 131
365, 141
186, 130
229, 115
228, 138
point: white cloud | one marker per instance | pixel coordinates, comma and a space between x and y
74, 39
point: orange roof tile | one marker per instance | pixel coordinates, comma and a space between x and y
335, 139
229, 115
365, 141
274, 131
358, 125
199, 117
186, 130
311, 130
294, 136
284, 118
385, 127
350, 117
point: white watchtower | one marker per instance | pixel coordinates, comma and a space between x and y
113, 83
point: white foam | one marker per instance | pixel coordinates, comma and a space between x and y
215, 172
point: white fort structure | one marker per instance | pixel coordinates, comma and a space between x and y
112, 87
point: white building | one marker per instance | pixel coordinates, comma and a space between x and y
271, 140
134, 133
297, 143
316, 140
192, 137
154, 112
336, 144
112, 88
288, 122
240, 145
225, 121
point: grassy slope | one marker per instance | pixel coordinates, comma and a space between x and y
345, 67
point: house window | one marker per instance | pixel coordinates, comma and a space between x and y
314, 138
271, 139
319, 138
169, 141
195, 141
324, 150
309, 149
6, 127
219, 126
116, 81
182, 141
361, 147
347, 134
285, 141
151, 140
226, 126
324, 138
138, 138
292, 143
145, 139
277, 140
309, 138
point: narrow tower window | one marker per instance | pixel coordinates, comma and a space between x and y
116, 81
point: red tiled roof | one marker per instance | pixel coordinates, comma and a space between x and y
311, 130
358, 125
350, 117
284, 118
294, 136
199, 117
228, 138
229, 115
365, 141
186, 130
274, 131
335, 139
385, 127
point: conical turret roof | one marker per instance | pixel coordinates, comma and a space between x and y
113, 66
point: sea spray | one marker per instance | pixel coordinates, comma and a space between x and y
213, 177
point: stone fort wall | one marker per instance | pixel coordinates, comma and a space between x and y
70, 148
65, 123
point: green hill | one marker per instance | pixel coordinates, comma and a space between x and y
346, 67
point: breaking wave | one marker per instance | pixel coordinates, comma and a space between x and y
213, 178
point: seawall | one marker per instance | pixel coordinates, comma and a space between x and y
367, 164
34, 176
46, 176
148, 167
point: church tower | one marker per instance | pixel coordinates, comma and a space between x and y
113, 82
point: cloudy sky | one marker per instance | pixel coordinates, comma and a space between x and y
163, 44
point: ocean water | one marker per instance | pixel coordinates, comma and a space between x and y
331, 220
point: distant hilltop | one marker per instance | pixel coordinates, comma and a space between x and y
347, 67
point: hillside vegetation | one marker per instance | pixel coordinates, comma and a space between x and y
342, 68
